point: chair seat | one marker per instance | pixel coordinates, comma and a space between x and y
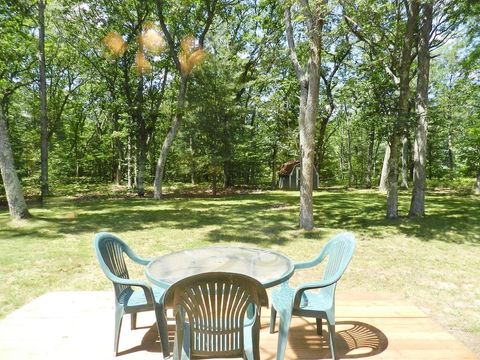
137, 297
282, 298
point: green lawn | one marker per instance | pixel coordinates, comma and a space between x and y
435, 262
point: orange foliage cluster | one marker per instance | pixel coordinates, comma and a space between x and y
150, 40
189, 56
115, 43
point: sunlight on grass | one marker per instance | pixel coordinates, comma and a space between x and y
432, 261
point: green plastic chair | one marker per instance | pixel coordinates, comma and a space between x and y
305, 301
217, 315
131, 296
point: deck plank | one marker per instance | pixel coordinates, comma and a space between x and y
78, 325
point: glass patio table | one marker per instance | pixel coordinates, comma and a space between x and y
268, 267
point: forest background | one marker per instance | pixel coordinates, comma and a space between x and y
105, 108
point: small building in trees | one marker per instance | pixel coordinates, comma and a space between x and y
289, 176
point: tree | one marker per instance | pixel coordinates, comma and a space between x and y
417, 205
184, 61
314, 13
16, 202
43, 100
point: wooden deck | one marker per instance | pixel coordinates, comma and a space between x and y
79, 325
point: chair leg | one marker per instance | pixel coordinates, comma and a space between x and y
319, 326
285, 319
331, 334
273, 318
133, 321
118, 324
256, 339
162, 327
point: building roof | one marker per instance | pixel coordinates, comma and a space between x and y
287, 167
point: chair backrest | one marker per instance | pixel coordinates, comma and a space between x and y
215, 304
338, 251
110, 254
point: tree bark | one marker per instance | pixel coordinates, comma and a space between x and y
141, 139
129, 162
44, 190
404, 183
167, 143
309, 90
321, 142
274, 166
417, 204
477, 188
402, 119
370, 155
383, 177
16, 202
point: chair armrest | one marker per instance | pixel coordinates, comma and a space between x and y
138, 259
311, 263
309, 286
147, 289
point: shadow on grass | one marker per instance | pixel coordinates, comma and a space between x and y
260, 218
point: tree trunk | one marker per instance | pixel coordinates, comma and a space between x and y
349, 156
321, 142
274, 167
403, 110
129, 163
477, 188
404, 183
370, 155
227, 173
43, 102
309, 89
193, 168
214, 182
417, 204
167, 143
117, 151
16, 202
141, 139
383, 177
451, 158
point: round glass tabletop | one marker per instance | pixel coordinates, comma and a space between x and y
268, 267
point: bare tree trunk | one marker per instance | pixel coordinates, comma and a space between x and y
370, 160
193, 169
16, 202
404, 183
309, 81
214, 182
141, 139
321, 142
349, 148
167, 143
402, 119
451, 157
417, 204
129, 163
274, 167
477, 188
43, 102
383, 177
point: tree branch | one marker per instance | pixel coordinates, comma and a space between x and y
291, 45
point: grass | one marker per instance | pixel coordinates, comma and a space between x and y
433, 261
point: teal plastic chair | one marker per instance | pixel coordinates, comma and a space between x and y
131, 296
217, 315
305, 300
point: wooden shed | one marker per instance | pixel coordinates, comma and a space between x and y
289, 176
